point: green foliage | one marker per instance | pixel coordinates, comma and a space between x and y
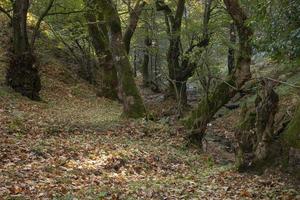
279, 27
6, 4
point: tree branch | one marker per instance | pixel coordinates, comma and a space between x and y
65, 13
133, 21
6, 12
38, 23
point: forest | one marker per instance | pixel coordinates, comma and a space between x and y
149, 99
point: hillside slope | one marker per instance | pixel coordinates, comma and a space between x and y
75, 145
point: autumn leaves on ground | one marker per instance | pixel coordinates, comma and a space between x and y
74, 145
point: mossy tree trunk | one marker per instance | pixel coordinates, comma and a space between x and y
99, 35
232, 39
187, 66
266, 108
292, 134
245, 137
173, 24
22, 75
133, 22
132, 101
180, 70
203, 114
291, 144
145, 66
258, 144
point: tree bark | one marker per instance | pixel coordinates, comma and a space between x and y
181, 70
199, 118
266, 109
173, 25
145, 67
246, 138
257, 142
146, 59
132, 24
99, 35
132, 101
22, 76
188, 67
292, 134
231, 57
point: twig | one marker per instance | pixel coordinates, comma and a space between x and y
226, 83
286, 83
4, 61
66, 13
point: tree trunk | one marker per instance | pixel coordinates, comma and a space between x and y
231, 57
207, 107
188, 67
291, 144
181, 70
145, 67
132, 101
173, 24
257, 140
99, 35
246, 138
266, 108
133, 21
22, 76
135, 63
292, 134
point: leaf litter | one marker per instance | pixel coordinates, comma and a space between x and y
75, 145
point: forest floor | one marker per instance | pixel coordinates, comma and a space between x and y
74, 145
80, 148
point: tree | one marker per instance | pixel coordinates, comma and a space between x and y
256, 136
100, 40
99, 34
207, 107
131, 99
132, 23
179, 64
188, 66
173, 27
232, 38
22, 75
145, 66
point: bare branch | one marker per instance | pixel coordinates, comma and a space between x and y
283, 82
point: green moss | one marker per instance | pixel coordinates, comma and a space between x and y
132, 101
248, 122
292, 134
209, 106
